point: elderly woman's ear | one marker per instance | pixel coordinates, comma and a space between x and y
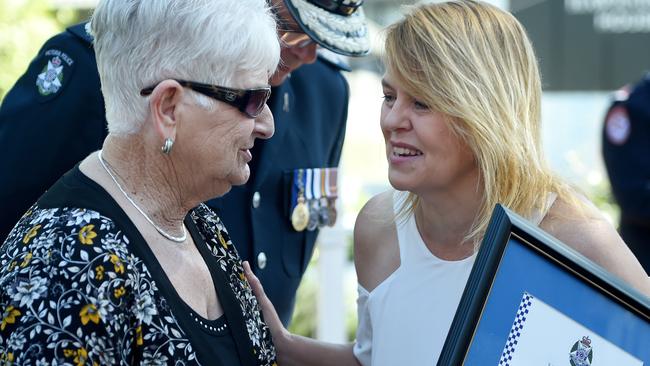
163, 108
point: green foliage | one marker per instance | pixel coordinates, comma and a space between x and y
305, 315
304, 318
24, 26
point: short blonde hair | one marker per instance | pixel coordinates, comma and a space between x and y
474, 63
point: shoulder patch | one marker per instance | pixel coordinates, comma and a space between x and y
617, 125
55, 72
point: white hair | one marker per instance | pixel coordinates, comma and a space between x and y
139, 43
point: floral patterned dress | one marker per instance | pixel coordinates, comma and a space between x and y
80, 286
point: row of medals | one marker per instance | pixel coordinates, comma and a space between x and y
314, 213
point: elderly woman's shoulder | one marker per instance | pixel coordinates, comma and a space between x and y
64, 241
70, 274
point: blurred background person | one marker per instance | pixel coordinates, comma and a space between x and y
626, 151
461, 78
54, 116
119, 262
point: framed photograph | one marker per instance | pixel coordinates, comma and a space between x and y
531, 300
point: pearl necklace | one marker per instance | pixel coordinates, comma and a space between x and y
177, 239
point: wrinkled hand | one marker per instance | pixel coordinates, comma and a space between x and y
279, 333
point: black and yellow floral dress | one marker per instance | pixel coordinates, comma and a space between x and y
80, 286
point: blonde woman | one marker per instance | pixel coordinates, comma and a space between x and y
461, 123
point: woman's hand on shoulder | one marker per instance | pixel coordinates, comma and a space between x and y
279, 333
587, 230
376, 250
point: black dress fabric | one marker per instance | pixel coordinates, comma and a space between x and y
78, 284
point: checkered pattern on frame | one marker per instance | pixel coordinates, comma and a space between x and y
515, 332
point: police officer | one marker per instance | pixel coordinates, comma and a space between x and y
626, 150
54, 116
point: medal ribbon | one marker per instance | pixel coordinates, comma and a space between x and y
324, 187
332, 183
316, 189
308, 185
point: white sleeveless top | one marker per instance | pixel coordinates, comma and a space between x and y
406, 318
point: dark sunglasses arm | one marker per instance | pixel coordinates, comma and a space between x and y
147, 91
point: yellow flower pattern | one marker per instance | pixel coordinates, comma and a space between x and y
138, 336
7, 359
26, 260
117, 264
89, 313
9, 316
99, 272
86, 234
222, 240
81, 355
30, 234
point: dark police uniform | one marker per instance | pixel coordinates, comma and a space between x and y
626, 150
43, 136
50, 120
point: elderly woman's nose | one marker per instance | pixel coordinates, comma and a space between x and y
264, 124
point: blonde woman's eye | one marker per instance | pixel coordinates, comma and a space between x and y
421, 106
388, 98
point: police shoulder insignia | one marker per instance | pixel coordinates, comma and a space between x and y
54, 72
617, 126
581, 353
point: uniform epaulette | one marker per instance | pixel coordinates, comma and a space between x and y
81, 30
333, 59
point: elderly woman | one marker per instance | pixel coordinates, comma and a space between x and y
461, 123
119, 262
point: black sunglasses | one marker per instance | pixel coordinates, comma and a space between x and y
249, 101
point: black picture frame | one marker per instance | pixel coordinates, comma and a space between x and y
487, 299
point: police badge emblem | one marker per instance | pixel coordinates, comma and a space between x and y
53, 75
50, 79
581, 353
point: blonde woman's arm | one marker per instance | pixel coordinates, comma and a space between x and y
588, 232
293, 349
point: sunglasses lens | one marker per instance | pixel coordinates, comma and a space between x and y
256, 102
